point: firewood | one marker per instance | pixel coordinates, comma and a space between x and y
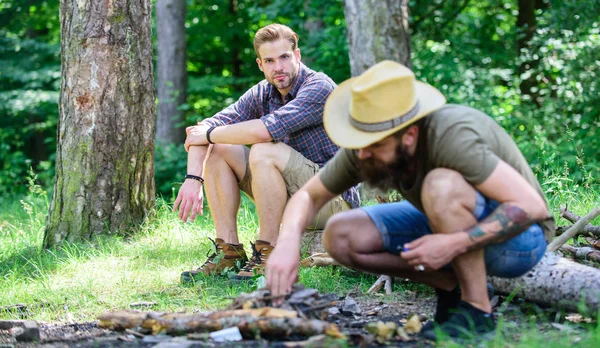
560, 240
587, 253
182, 323
384, 280
573, 218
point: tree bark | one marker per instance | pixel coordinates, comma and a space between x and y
172, 70
556, 281
105, 148
377, 30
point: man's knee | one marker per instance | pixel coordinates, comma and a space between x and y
443, 188
262, 154
336, 234
232, 156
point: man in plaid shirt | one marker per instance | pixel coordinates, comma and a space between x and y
282, 117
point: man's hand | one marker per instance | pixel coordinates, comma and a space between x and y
196, 136
435, 250
282, 270
189, 198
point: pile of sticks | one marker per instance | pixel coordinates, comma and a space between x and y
587, 237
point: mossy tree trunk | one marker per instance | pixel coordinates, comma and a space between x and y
377, 30
104, 179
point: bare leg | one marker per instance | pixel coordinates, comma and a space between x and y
353, 240
267, 162
224, 170
449, 202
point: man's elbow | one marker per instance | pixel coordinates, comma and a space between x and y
264, 136
538, 210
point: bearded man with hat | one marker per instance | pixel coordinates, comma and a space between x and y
472, 207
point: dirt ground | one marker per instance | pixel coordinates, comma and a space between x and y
517, 317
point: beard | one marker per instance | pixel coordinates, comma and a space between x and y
285, 83
401, 172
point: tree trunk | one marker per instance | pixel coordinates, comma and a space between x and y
172, 70
556, 281
377, 30
105, 148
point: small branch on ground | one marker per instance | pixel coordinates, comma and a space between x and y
584, 253
573, 218
384, 280
571, 232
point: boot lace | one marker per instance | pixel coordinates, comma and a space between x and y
211, 257
255, 259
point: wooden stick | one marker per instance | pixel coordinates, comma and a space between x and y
588, 229
586, 253
571, 232
570, 216
384, 280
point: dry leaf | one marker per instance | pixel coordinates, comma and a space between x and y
413, 324
383, 331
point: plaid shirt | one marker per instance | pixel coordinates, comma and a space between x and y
297, 121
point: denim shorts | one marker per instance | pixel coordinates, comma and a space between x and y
401, 223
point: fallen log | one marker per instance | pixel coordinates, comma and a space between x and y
556, 281
246, 321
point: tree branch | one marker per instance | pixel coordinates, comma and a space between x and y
571, 232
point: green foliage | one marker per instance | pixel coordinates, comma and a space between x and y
170, 168
29, 84
475, 61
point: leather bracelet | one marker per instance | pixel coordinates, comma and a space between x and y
195, 177
210, 129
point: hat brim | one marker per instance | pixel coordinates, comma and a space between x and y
336, 117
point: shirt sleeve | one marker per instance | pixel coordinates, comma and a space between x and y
305, 110
463, 149
340, 173
246, 108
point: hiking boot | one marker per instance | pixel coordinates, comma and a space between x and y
256, 265
225, 257
447, 301
467, 322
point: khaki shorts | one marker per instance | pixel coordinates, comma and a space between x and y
297, 172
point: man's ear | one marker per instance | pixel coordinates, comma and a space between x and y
259, 62
410, 135
297, 54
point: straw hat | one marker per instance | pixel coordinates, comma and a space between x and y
382, 100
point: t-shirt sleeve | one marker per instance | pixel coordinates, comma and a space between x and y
463, 149
340, 172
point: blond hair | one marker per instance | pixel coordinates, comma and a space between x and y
274, 32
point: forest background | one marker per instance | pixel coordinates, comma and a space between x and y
540, 81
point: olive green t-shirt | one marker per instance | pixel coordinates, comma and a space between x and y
455, 137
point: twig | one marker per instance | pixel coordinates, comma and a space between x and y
582, 253
384, 280
571, 232
570, 216
588, 229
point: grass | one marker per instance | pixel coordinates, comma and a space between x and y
77, 282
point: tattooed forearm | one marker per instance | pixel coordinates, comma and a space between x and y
504, 223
